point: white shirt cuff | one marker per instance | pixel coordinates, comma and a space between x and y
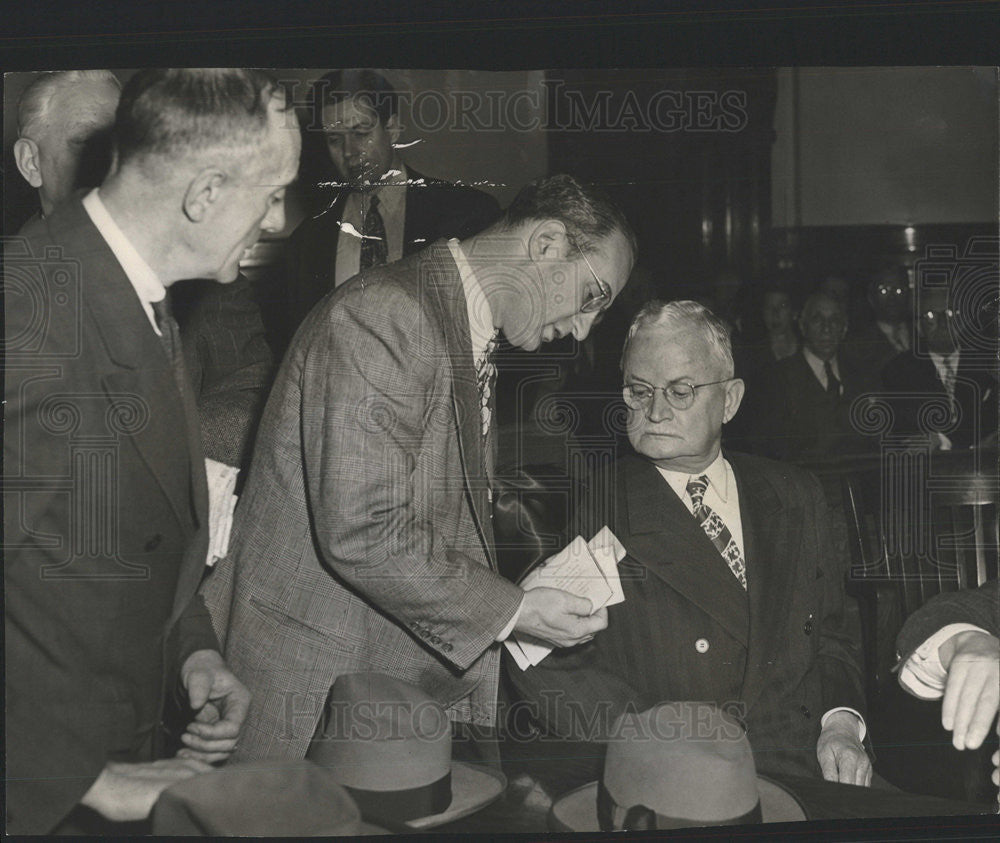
507, 630
862, 728
922, 674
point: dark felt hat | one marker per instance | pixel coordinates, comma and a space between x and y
260, 799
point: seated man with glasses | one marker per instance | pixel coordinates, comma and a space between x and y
952, 365
734, 587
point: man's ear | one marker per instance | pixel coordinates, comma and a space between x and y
548, 240
26, 156
393, 127
203, 192
734, 397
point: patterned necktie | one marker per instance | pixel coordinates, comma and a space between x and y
486, 374
374, 248
170, 334
832, 384
716, 529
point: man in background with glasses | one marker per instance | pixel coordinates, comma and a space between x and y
733, 587
962, 381
364, 540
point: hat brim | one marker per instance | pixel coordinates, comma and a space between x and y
577, 810
472, 788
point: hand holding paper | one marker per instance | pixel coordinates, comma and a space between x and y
566, 596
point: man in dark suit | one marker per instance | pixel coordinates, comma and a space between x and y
940, 389
803, 412
734, 591
379, 209
892, 331
363, 541
63, 146
105, 500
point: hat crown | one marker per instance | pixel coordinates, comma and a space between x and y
687, 761
383, 734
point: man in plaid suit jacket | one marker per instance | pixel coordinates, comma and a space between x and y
363, 539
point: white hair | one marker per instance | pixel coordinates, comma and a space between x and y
34, 105
685, 315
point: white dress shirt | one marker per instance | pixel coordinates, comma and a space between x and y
819, 369
391, 193
141, 276
481, 329
922, 674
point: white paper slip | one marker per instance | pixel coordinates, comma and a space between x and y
608, 552
514, 648
573, 569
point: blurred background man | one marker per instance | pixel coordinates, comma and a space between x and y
379, 209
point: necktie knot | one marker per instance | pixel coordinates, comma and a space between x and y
696, 488
832, 384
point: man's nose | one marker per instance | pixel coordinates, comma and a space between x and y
581, 324
274, 221
352, 148
659, 408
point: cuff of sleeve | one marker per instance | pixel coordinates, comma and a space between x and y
862, 728
507, 630
922, 674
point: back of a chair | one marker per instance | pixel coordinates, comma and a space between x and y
915, 533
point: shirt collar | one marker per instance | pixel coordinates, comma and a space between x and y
818, 365
717, 473
147, 285
480, 315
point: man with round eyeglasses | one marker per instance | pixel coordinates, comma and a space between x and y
716, 542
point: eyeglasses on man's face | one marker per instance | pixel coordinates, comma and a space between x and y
595, 303
680, 394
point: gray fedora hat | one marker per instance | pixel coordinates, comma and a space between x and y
674, 766
389, 745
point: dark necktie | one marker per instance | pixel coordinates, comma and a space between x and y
716, 529
374, 249
832, 384
170, 334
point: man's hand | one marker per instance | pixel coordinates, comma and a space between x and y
220, 702
841, 756
972, 690
559, 618
127, 792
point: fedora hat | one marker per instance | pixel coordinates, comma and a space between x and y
260, 799
673, 766
389, 745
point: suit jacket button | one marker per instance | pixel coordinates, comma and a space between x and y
807, 627
435, 640
701, 645
153, 543
447, 647
805, 712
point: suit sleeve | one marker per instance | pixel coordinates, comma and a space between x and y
980, 607
839, 657
375, 383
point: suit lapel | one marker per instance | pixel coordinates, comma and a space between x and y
144, 371
770, 541
444, 283
664, 536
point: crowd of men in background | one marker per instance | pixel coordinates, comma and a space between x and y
363, 539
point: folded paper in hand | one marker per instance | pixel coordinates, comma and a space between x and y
586, 569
